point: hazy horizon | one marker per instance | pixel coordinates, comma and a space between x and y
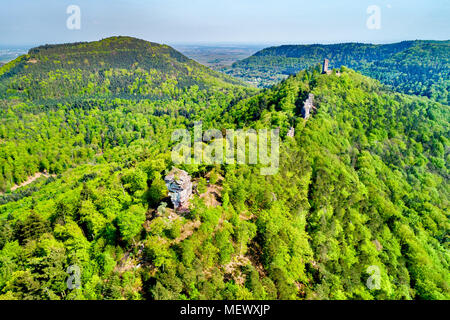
217, 44
28, 23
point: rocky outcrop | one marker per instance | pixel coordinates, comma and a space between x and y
308, 106
179, 184
291, 132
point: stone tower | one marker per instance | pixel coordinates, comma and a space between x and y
325, 66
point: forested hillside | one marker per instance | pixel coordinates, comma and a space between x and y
412, 67
116, 66
63, 104
363, 183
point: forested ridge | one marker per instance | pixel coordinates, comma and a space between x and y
363, 183
412, 67
115, 66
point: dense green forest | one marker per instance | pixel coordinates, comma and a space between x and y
412, 67
116, 66
363, 183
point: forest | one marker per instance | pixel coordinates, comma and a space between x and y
363, 183
412, 67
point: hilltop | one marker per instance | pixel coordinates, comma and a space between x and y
115, 66
413, 67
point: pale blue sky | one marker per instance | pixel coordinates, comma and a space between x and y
32, 22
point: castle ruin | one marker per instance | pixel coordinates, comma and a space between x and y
325, 70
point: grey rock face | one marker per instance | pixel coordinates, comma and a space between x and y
308, 106
179, 184
291, 132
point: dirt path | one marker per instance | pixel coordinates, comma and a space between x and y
30, 180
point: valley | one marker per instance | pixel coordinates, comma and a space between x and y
218, 56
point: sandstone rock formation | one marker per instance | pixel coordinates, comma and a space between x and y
179, 184
308, 106
291, 132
